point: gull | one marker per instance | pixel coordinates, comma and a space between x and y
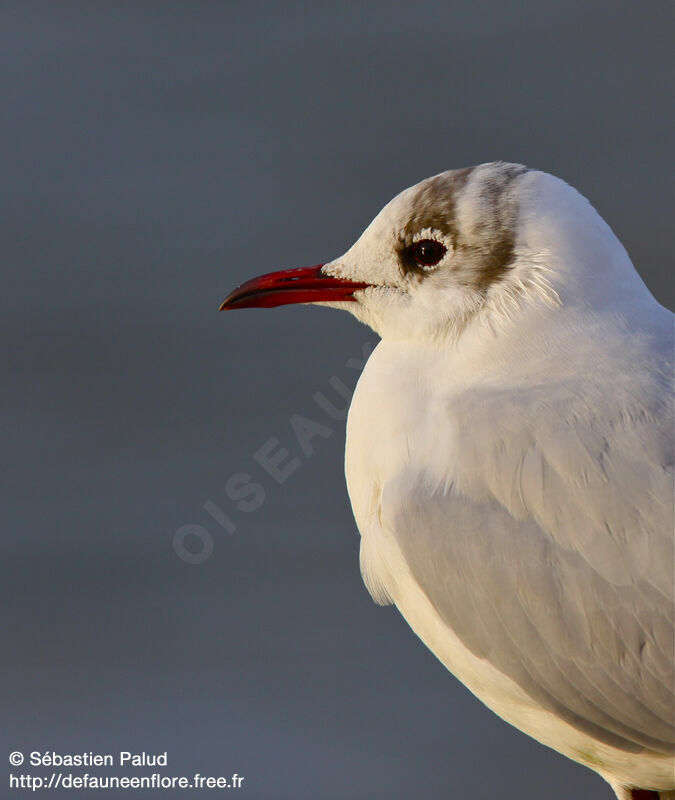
509, 456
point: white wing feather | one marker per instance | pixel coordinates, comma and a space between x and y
546, 543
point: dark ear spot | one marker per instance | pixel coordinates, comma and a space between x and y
484, 254
496, 239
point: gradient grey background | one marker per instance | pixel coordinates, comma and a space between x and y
155, 154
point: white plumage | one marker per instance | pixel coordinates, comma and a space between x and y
509, 461
510, 457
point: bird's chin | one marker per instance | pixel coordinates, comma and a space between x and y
352, 305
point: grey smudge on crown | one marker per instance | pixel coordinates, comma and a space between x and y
484, 254
434, 206
435, 203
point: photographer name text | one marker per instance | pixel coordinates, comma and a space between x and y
122, 759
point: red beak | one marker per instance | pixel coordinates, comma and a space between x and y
304, 285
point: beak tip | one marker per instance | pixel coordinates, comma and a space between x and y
303, 285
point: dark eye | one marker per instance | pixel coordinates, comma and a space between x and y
427, 252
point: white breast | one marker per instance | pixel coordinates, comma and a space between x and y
398, 430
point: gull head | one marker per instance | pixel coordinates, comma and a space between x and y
479, 246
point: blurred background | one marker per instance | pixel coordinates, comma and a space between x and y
156, 154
